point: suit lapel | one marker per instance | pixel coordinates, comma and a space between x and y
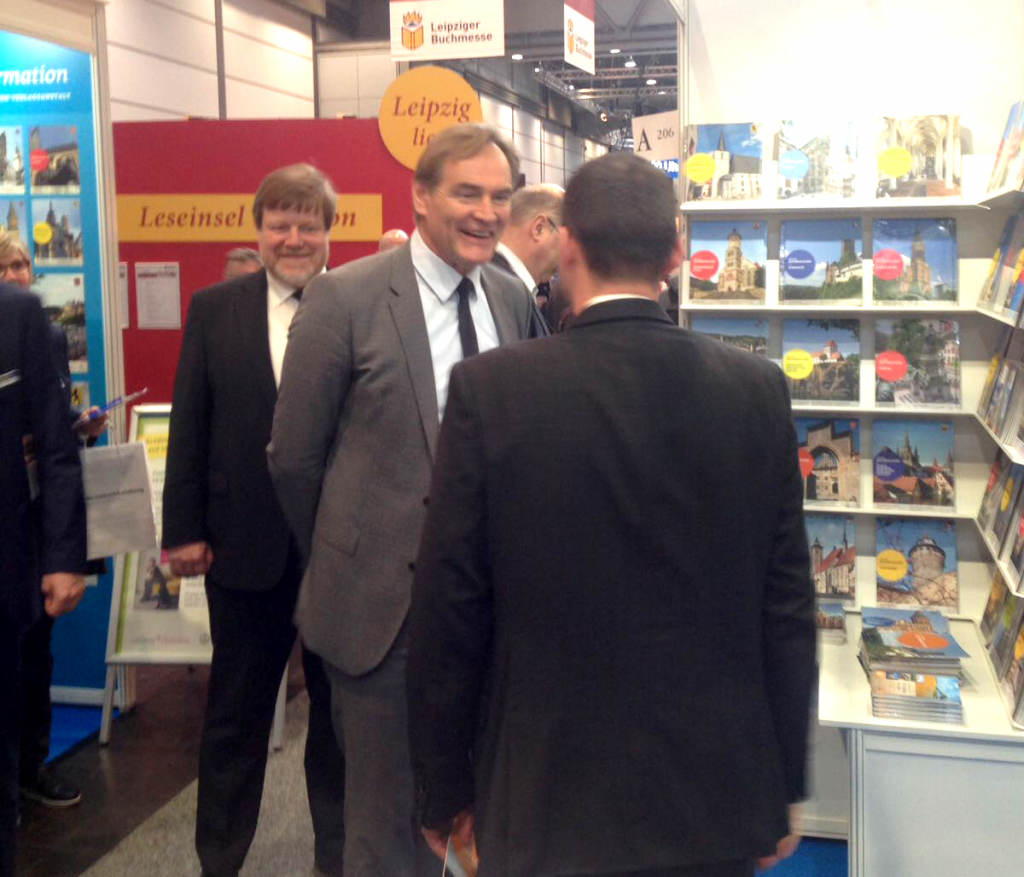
251, 319
504, 317
407, 312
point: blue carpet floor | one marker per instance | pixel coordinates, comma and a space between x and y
72, 725
815, 858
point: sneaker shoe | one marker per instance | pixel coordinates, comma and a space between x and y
51, 792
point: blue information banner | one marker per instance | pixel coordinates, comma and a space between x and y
49, 197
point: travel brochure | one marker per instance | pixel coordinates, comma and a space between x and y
916, 562
817, 160
914, 261
831, 540
821, 261
913, 462
821, 359
918, 156
750, 334
727, 261
723, 162
917, 362
829, 454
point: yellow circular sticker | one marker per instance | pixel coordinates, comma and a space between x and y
891, 565
421, 103
42, 234
1004, 503
894, 162
700, 167
798, 365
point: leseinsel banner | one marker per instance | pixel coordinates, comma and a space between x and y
425, 30
579, 34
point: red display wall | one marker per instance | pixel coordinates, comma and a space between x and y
223, 157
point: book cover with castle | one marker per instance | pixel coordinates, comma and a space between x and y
821, 261
916, 562
829, 453
54, 159
915, 260
832, 542
918, 156
913, 462
816, 160
13, 218
917, 362
63, 298
998, 264
12, 161
748, 334
727, 261
57, 231
723, 162
821, 359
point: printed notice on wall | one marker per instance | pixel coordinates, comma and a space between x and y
158, 295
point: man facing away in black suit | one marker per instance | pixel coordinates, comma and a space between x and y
222, 519
636, 703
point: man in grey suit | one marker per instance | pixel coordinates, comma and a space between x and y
362, 393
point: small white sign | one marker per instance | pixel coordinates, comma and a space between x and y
158, 295
656, 137
579, 34
434, 29
122, 294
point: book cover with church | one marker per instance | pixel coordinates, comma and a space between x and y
821, 260
916, 562
745, 333
917, 362
727, 261
816, 160
918, 156
915, 260
832, 542
821, 359
723, 162
913, 462
53, 150
63, 299
829, 454
12, 161
57, 231
13, 218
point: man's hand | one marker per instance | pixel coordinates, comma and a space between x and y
63, 591
192, 559
786, 846
94, 428
462, 828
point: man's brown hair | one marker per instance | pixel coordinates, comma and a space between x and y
460, 142
622, 210
296, 187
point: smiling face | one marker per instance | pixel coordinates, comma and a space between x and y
293, 244
462, 218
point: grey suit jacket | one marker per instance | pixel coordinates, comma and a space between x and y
352, 446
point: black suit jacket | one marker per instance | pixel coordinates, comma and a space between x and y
217, 486
539, 326
639, 698
51, 537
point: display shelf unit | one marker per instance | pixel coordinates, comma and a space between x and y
1010, 451
1013, 578
843, 207
890, 511
999, 318
1007, 198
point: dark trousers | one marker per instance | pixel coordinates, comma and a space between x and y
36, 710
736, 868
10, 660
252, 635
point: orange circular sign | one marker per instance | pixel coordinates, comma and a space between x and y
421, 103
916, 639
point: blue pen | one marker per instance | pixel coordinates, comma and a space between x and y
114, 403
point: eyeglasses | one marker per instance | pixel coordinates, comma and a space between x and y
551, 222
15, 267
471, 196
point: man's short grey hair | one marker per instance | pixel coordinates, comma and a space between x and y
243, 254
540, 198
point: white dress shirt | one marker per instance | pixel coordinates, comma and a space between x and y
281, 307
519, 267
437, 282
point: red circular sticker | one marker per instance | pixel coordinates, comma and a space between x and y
807, 465
704, 265
993, 477
919, 640
887, 264
39, 159
891, 365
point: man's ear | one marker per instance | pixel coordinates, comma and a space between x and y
676, 259
419, 197
537, 225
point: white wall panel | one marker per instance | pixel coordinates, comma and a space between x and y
553, 156
554, 135
339, 106
154, 84
259, 64
531, 169
276, 25
496, 112
247, 101
376, 72
203, 9
121, 112
369, 107
554, 175
155, 29
528, 147
339, 75
526, 124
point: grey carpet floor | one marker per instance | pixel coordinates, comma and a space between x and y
283, 847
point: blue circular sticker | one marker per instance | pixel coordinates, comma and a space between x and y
888, 465
798, 264
794, 164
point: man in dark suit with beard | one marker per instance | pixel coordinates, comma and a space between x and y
47, 539
636, 703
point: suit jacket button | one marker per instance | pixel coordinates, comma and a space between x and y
412, 566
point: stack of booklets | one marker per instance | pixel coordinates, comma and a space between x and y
1007, 402
1002, 291
908, 641
920, 697
1002, 631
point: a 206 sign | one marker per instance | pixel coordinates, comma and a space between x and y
656, 137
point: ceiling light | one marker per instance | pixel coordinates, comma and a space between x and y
537, 69
517, 56
662, 91
603, 116
572, 87
630, 62
652, 81
614, 51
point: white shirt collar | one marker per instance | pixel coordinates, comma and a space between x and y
440, 278
598, 299
279, 292
517, 265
